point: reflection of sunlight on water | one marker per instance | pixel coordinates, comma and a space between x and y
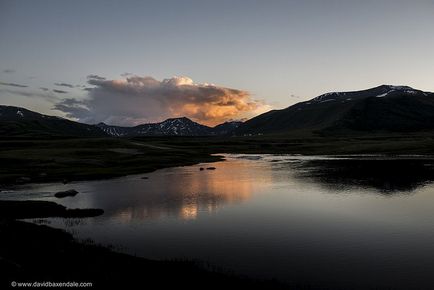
187, 192
189, 211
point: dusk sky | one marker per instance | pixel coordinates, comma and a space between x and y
127, 62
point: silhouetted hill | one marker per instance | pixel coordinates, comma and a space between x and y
381, 109
16, 121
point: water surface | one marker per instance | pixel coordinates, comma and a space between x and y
333, 221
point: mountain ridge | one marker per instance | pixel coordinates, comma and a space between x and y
181, 126
382, 108
18, 121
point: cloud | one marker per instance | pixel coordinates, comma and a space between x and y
60, 91
64, 85
13, 85
74, 108
31, 93
95, 77
136, 100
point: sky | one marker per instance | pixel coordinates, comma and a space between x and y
129, 62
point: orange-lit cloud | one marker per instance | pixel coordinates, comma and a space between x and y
135, 100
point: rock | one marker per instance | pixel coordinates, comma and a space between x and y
211, 168
71, 192
145, 177
201, 168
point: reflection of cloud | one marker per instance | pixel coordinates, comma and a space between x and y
137, 100
9, 71
13, 85
187, 195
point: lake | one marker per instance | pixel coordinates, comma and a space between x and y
347, 221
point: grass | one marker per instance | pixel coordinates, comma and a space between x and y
67, 159
83, 159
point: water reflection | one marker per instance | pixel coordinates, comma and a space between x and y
182, 193
273, 216
386, 175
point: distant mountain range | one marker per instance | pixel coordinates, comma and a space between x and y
384, 108
170, 127
16, 121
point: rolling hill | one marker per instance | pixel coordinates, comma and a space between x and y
20, 122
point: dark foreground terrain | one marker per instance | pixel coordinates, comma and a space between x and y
68, 159
37, 253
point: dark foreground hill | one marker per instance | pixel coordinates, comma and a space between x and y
381, 109
16, 121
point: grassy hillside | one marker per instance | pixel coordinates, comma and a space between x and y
24, 160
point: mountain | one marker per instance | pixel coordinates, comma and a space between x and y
385, 108
226, 128
170, 127
16, 121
